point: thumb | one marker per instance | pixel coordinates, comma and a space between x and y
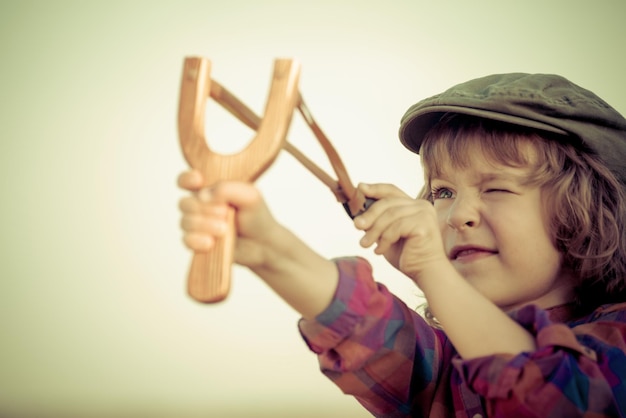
381, 190
239, 194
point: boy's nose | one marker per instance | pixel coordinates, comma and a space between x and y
463, 214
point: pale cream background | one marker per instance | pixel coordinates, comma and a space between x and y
94, 319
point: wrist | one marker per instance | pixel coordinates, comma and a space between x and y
433, 273
304, 279
276, 248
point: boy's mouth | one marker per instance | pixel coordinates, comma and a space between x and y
470, 252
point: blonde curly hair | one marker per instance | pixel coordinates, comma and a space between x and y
586, 202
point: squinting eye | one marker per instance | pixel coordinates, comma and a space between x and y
441, 193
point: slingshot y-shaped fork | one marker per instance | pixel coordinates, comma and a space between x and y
209, 274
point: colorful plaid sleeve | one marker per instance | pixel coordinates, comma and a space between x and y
578, 369
367, 341
377, 349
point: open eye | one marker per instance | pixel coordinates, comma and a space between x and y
441, 193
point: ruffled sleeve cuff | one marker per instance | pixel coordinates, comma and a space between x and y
557, 349
358, 303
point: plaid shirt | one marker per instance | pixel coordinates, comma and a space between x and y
377, 349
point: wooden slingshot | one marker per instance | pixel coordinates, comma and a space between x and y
209, 275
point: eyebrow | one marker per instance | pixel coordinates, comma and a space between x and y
521, 178
502, 176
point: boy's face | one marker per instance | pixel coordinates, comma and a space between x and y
496, 234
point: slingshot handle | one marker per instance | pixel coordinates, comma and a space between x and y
209, 275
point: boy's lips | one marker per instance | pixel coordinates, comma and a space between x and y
470, 251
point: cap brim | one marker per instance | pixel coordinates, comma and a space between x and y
415, 126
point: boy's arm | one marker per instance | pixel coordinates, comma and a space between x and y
376, 348
300, 276
474, 324
406, 232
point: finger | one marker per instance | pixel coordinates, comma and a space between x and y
189, 204
193, 205
199, 242
418, 222
191, 180
216, 200
381, 190
200, 224
380, 208
204, 194
395, 232
236, 193
381, 223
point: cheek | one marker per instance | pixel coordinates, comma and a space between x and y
442, 211
441, 221
516, 225
546, 261
529, 245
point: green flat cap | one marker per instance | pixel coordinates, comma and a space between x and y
541, 101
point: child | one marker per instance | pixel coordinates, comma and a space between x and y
517, 242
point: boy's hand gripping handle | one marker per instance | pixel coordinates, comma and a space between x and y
209, 275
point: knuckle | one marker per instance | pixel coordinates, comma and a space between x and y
183, 204
188, 204
197, 242
192, 223
186, 223
188, 241
183, 224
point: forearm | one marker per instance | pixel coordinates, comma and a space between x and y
367, 342
303, 278
475, 325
